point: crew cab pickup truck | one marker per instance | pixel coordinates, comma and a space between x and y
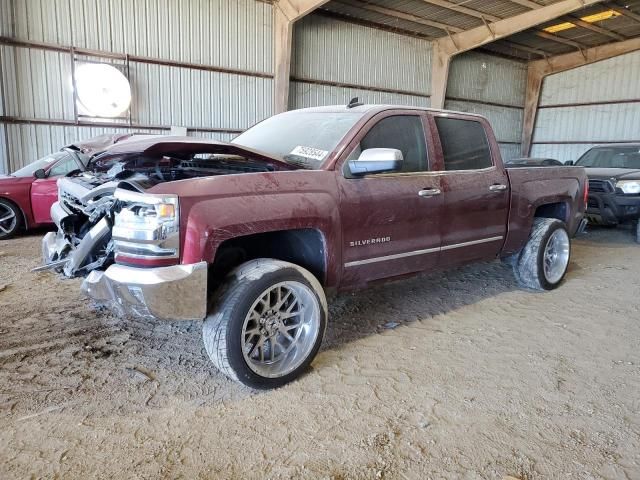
249, 236
614, 185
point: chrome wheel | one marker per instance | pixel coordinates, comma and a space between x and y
8, 220
281, 328
556, 255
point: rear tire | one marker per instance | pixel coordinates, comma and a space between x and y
542, 263
267, 324
638, 231
10, 219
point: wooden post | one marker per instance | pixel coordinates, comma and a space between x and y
440, 63
283, 38
445, 48
535, 76
286, 12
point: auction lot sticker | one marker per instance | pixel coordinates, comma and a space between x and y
309, 152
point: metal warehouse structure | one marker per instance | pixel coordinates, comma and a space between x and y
218, 66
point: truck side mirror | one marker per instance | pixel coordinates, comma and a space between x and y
40, 173
569, 162
376, 160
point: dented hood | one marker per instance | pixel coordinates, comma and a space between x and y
167, 145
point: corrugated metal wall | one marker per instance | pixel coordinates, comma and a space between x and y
334, 60
493, 87
589, 105
219, 34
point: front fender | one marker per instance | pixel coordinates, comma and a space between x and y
212, 221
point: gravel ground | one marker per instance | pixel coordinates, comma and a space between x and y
479, 380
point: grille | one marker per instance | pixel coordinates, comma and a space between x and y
600, 186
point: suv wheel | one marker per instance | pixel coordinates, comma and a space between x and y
267, 325
638, 231
10, 219
543, 261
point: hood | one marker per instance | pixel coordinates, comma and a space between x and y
168, 145
102, 142
613, 173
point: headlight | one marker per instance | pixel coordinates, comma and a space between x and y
629, 186
146, 230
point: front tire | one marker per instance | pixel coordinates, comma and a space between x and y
10, 219
267, 324
542, 263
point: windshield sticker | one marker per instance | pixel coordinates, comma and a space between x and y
309, 152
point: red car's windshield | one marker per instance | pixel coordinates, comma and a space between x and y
44, 162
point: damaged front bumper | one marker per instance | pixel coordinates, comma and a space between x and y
165, 293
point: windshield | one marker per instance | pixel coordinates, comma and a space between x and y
301, 138
611, 157
44, 162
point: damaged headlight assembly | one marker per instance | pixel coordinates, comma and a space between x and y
146, 229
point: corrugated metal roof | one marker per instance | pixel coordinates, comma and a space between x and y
622, 25
380, 19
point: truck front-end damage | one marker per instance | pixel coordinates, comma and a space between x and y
83, 215
147, 281
125, 239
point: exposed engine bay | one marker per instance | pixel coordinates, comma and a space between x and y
85, 213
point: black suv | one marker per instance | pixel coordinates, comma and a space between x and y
614, 184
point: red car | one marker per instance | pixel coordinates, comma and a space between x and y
27, 194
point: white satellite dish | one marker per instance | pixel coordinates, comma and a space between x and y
102, 90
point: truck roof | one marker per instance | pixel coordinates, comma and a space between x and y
373, 108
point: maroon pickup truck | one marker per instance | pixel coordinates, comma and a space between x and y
251, 235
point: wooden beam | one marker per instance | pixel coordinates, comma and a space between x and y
296, 9
476, 37
285, 13
595, 28
446, 47
572, 60
623, 11
401, 15
559, 39
539, 69
492, 18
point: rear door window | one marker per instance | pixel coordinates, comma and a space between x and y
464, 144
404, 133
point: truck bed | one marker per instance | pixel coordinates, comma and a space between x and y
534, 186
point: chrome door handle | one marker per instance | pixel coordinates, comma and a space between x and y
429, 192
498, 187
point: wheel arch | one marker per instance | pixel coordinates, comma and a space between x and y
558, 209
305, 247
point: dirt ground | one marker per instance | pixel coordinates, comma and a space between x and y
479, 380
